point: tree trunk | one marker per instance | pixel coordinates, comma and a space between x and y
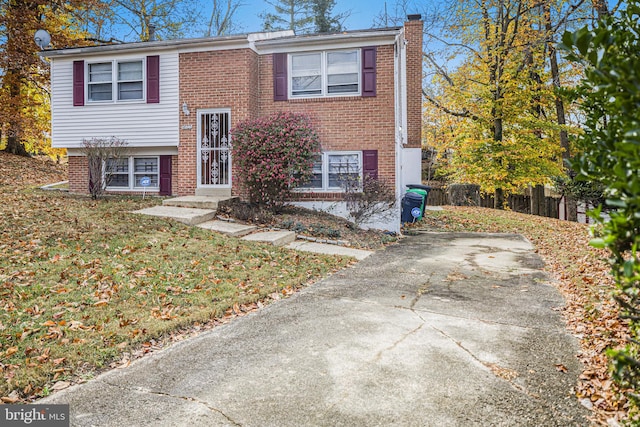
555, 77
14, 143
14, 146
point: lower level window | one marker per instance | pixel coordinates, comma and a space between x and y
333, 169
130, 173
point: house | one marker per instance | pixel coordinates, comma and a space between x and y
174, 103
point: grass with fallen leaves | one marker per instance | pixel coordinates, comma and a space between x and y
85, 284
581, 274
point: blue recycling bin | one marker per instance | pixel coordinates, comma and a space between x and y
423, 191
412, 207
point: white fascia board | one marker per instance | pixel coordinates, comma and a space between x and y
182, 45
263, 43
323, 42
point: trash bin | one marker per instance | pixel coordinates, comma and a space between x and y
423, 191
419, 187
412, 207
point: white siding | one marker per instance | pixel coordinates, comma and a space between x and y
411, 165
138, 123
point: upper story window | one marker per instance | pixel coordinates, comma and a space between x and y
119, 80
130, 80
331, 73
100, 87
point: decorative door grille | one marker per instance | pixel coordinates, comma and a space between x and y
214, 149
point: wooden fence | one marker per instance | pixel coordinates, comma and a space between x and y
548, 207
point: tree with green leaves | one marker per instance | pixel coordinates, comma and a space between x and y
324, 21
288, 15
304, 16
610, 147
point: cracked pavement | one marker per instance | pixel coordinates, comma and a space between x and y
441, 329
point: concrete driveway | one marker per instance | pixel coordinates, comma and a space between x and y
439, 330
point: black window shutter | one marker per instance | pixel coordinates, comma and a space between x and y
78, 83
280, 92
153, 79
370, 163
165, 175
369, 71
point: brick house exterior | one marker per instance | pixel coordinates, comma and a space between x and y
174, 103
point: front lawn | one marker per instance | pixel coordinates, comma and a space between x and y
85, 285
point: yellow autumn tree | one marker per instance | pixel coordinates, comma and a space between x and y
505, 135
24, 96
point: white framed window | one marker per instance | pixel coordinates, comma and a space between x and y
306, 74
130, 80
100, 82
126, 173
115, 80
328, 73
343, 166
118, 171
332, 168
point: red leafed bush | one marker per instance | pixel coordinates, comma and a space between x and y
274, 154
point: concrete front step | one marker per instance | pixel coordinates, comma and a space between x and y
189, 216
276, 238
323, 248
232, 229
214, 192
198, 202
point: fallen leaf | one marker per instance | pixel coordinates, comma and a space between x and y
561, 368
13, 397
61, 385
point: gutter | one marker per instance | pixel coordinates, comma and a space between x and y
257, 41
146, 46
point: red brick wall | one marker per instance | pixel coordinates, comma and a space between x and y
346, 123
413, 35
211, 80
78, 174
174, 175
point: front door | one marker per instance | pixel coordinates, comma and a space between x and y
214, 150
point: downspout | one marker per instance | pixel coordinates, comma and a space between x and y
400, 83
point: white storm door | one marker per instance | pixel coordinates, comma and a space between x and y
214, 149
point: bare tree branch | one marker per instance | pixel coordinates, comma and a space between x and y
464, 113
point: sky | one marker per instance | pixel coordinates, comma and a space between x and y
363, 13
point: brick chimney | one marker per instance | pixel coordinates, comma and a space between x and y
413, 36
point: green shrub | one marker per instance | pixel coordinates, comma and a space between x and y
610, 145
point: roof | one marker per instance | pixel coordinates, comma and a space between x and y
264, 41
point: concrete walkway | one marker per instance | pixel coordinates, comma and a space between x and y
439, 330
189, 210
